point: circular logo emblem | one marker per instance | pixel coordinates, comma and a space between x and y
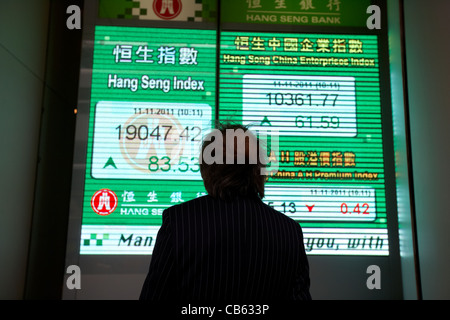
167, 9
104, 202
148, 136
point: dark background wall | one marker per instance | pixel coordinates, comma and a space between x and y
428, 76
39, 60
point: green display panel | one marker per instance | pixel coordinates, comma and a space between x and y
152, 100
318, 98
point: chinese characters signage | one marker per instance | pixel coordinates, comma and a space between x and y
166, 55
295, 44
297, 12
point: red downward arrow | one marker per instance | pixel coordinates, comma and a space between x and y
310, 207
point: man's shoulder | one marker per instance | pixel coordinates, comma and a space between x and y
190, 204
195, 205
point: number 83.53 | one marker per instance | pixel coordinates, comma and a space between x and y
185, 164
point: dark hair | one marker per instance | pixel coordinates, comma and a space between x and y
245, 175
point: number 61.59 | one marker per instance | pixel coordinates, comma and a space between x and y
309, 122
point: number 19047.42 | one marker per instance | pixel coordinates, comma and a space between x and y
160, 132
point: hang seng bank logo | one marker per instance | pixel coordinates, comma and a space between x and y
167, 9
104, 202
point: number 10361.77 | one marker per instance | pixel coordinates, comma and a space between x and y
300, 99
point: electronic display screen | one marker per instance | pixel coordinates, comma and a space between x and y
153, 98
314, 80
152, 101
319, 94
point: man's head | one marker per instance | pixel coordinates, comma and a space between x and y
232, 163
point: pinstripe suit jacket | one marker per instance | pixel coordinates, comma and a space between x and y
212, 250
